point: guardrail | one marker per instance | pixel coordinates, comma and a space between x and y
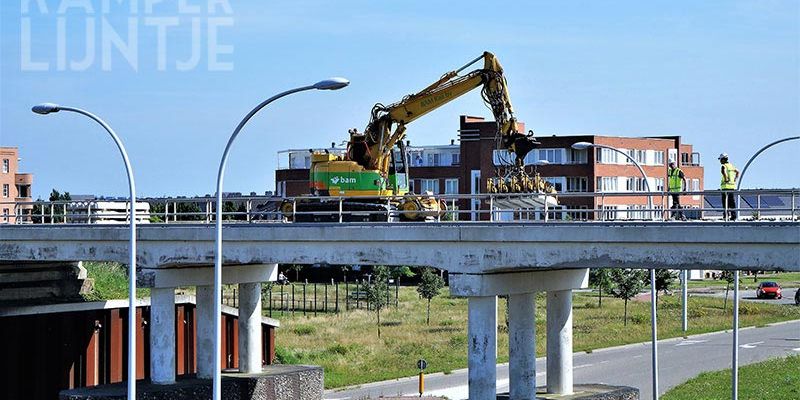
753, 205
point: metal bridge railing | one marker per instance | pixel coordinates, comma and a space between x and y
751, 205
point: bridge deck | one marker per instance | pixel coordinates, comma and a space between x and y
457, 247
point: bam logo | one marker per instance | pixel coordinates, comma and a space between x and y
342, 179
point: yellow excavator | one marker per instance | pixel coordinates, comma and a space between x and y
375, 163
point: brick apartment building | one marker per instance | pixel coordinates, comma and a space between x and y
16, 188
463, 167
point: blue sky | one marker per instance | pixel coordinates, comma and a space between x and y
724, 74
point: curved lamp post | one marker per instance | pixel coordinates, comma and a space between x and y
735, 356
654, 333
328, 84
49, 108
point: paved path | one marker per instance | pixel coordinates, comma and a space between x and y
679, 360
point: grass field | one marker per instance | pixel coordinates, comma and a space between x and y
347, 346
777, 379
110, 281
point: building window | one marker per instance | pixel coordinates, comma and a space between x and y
659, 184
429, 185
5, 190
455, 159
606, 183
553, 156
579, 215
695, 185
659, 158
639, 155
578, 156
434, 159
577, 184
673, 155
606, 156
5, 165
451, 186
505, 157
556, 181
685, 159
609, 213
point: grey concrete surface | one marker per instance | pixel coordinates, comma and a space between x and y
679, 360
457, 247
275, 382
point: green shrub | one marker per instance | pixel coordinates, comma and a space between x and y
639, 319
303, 330
286, 356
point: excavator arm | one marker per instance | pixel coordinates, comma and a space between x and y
387, 125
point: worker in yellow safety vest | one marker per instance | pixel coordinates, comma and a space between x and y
728, 184
676, 183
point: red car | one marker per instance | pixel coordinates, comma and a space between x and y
769, 289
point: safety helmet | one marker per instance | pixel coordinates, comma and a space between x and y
722, 155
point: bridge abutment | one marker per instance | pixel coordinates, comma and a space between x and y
520, 287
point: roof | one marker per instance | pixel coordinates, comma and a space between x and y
110, 304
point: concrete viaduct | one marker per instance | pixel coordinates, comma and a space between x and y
484, 260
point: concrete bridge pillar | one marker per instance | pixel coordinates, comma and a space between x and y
205, 331
522, 346
162, 335
482, 352
559, 342
482, 291
250, 352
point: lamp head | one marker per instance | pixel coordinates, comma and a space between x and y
332, 84
581, 145
46, 108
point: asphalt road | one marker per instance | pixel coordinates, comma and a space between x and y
679, 360
750, 295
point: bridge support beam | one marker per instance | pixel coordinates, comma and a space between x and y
522, 346
250, 352
162, 335
559, 342
482, 352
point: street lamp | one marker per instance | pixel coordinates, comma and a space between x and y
328, 84
654, 333
50, 108
735, 356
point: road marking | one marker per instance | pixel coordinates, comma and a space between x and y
797, 349
582, 366
689, 342
750, 345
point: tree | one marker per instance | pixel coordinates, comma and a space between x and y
728, 277
57, 212
377, 291
601, 279
627, 284
429, 286
664, 280
296, 268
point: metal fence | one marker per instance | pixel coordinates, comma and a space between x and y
501, 207
315, 298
